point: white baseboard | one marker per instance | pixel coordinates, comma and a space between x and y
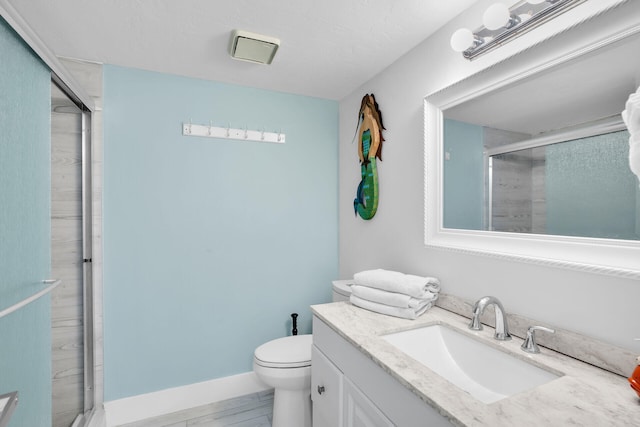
136, 408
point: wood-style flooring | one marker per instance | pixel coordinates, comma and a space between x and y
254, 410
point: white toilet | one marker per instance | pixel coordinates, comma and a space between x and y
341, 290
285, 365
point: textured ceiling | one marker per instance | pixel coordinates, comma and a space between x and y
328, 48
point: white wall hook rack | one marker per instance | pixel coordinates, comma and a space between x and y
189, 129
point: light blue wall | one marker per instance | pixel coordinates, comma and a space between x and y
25, 337
590, 188
463, 193
209, 245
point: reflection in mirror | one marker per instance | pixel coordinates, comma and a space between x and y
548, 154
578, 187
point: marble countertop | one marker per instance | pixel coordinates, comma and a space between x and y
583, 396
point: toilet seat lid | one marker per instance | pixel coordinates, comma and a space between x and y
342, 287
287, 352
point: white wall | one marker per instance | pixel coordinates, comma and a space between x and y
601, 306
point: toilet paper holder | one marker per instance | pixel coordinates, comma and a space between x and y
294, 320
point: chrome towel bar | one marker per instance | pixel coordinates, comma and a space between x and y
52, 284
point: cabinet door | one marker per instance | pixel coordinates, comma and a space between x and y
326, 391
359, 411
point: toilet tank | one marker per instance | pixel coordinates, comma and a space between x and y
341, 290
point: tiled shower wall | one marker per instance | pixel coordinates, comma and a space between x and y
89, 76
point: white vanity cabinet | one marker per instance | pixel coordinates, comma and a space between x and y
337, 402
326, 391
359, 411
349, 390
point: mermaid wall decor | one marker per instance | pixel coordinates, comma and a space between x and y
369, 151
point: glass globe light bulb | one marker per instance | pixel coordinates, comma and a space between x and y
496, 16
462, 40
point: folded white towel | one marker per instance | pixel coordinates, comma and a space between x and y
631, 117
393, 281
391, 298
434, 287
405, 313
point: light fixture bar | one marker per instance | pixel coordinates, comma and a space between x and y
530, 16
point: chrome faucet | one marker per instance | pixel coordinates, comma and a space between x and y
502, 328
529, 345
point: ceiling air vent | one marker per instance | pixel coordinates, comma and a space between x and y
253, 47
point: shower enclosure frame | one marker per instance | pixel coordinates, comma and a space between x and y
93, 396
87, 296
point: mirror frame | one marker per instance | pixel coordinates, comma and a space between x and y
605, 256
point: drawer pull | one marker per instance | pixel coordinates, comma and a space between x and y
320, 389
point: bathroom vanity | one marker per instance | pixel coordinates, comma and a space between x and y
349, 389
360, 378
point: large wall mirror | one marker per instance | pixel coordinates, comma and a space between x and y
535, 166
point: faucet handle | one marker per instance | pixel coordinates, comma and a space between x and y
529, 345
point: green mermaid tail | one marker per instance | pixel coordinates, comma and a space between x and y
366, 202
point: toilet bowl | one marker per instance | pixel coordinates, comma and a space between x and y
285, 365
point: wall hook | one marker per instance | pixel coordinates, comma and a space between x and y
211, 131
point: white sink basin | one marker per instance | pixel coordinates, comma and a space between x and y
486, 373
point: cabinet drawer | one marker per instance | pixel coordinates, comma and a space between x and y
326, 391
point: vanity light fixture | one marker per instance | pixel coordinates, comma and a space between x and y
502, 24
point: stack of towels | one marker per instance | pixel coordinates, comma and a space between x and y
393, 293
